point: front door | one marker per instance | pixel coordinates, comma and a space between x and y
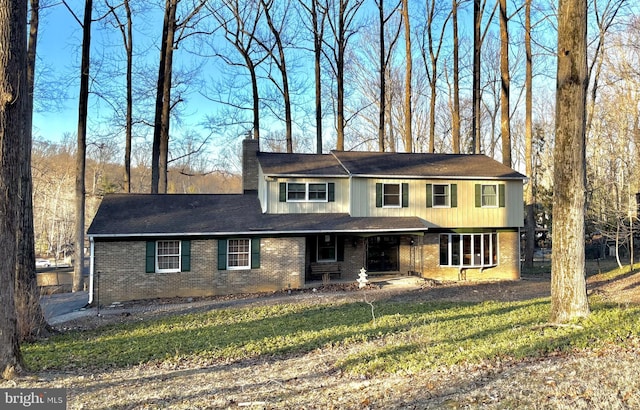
383, 253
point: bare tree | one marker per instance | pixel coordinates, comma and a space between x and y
430, 51
505, 80
83, 103
160, 147
13, 59
384, 58
478, 39
408, 117
31, 321
341, 20
568, 283
239, 23
126, 30
455, 112
279, 58
530, 222
173, 32
318, 14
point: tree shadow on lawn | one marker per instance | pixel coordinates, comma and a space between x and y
299, 331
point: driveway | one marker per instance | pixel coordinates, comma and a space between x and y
60, 307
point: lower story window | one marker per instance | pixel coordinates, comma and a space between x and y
326, 248
239, 254
168, 256
469, 250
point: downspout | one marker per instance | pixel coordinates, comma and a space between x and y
90, 270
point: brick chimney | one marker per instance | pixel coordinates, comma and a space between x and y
250, 148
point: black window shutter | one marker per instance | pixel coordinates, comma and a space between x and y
405, 195
151, 257
332, 192
186, 256
222, 254
501, 196
340, 241
378, 195
283, 192
255, 253
478, 195
313, 248
429, 196
454, 195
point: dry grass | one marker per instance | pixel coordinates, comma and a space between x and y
588, 378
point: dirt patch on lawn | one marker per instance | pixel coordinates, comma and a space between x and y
602, 379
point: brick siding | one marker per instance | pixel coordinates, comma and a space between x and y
120, 271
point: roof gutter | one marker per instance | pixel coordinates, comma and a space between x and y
464, 178
256, 231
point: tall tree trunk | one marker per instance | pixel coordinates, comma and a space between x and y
340, 120
83, 103
318, 35
568, 283
281, 63
476, 96
383, 79
31, 321
530, 221
505, 123
408, 115
128, 41
163, 104
13, 63
455, 117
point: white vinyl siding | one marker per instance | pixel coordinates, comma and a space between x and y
465, 214
271, 203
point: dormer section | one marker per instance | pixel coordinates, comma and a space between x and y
302, 184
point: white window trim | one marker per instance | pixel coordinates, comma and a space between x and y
306, 192
399, 195
497, 188
178, 269
433, 196
244, 267
492, 245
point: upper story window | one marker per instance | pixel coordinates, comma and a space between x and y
490, 195
306, 192
296, 192
392, 195
442, 195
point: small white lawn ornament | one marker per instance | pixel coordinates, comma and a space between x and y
362, 278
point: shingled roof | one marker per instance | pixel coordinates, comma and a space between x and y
420, 165
135, 215
292, 165
385, 164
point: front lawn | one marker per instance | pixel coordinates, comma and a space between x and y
396, 338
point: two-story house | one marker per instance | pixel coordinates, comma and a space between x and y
303, 218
